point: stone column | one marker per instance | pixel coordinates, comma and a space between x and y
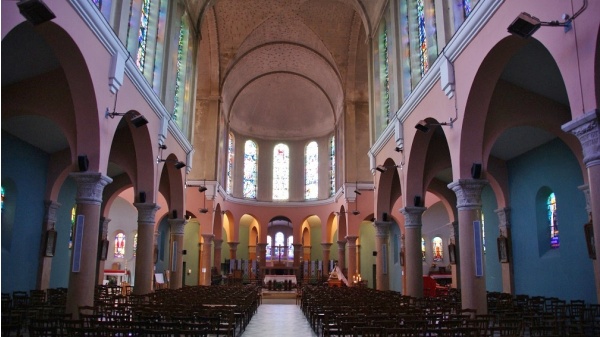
468, 196
261, 251
177, 230
351, 240
84, 260
326, 258
233, 250
103, 236
252, 253
144, 255
508, 281
297, 253
341, 254
358, 264
587, 129
205, 278
382, 260
413, 261
306, 253
218, 244
45, 265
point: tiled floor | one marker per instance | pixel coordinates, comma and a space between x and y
278, 320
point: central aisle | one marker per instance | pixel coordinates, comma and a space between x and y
277, 320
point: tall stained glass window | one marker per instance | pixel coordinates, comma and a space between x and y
135, 242
120, 245
250, 169
424, 59
72, 230
143, 34
182, 53
311, 171
2, 200
269, 246
553, 221
281, 172
483, 231
230, 161
467, 7
423, 249
332, 166
280, 246
290, 245
438, 249
386, 77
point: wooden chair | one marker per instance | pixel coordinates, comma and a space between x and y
369, 331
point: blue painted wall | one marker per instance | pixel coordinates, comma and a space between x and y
61, 262
493, 270
567, 272
24, 168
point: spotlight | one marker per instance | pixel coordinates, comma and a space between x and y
137, 120
381, 168
357, 192
356, 212
422, 126
202, 189
524, 25
35, 11
162, 146
203, 210
398, 149
178, 164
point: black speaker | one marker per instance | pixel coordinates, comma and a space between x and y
417, 201
174, 214
142, 197
183, 252
374, 253
476, 171
384, 216
83, 162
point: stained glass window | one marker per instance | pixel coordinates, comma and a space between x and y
104, 7
467, 7
483, 231
135, 241
73, 217
250, 169
423, 247
424, 61
332, 166
280, 246
269, 247
281, 172
182, 48
405, 50
311, 171
386, 77
143, 35
120, 245
230, 160
553, 221
290, 245
2, 200
438, 250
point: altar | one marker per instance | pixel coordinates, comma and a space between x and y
280, 278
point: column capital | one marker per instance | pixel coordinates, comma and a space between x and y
146, 212
585, 188
412, 216
326, 245
341, 244
177, 226
90, 186
468, 193
297, 245
50, 211
233, 245
218, 243
351, 240
382, 228
104, 226
586, 128
503, 219
208, 238
261, 245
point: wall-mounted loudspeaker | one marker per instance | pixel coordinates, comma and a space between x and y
374, 253
183, 252
142, 197
83, 162
174, 214
384, 216
476, 171
417, 201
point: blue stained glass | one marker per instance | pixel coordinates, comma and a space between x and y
143, 35
553, 221
72, 230
332, 166
290, 244
424, 60
467, 7
2, 202
230, 161
311, 171
250, 169
279, 245
182, 41
281, 172
268, 248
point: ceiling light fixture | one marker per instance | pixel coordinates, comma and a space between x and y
526, 25
178, 164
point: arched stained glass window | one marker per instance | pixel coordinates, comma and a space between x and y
483, 231
104, 7
311, 171
438, 250
424, 59
2, 200
182, 59
281, 172
135, 242
143, 34
72, 230
332, 166
120, 245
250, 169
423, 250
280, 246
290, 245
467, 7
553, 221
269, 245
386, 77
230, 161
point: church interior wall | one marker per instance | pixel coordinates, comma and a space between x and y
61, 262
493, 270
192, 256
367, 247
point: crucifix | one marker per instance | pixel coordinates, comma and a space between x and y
280, 252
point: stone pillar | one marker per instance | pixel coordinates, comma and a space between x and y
358, 264
454, 267
45, 265
177, 230
468, 196
252, 253
382, 259
306, 253
218, 244
297, 253
84, 260
587, 129
341, 254
261, 251
233, 250
413, 262
351, 240
103, 236
144, 255
205, 278
508, 281
326, 258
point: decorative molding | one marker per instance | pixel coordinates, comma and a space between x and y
51, 207
90, 186
585, 188
587, 130
177, 226
104, 226
382, 228
412, 216
503, 220
468, 193
326, 246
146, 212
